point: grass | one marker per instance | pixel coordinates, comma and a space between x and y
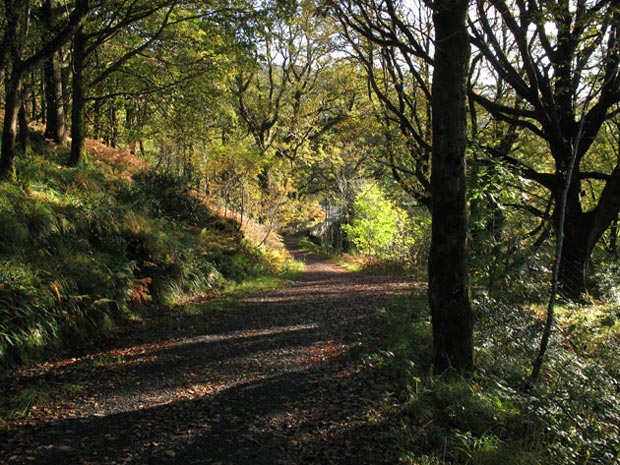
355, 262
34, 395
229, 296
571, 417
376, 266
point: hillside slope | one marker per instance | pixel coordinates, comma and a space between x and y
85, 248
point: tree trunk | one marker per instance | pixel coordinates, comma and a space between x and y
35, 115
13, 43
580, 237
78, 128
24, 130
264, 182
9, 128
42, 101
113, 125
55, 112
612, 248
451, 313
97, 125
583, 231
576, 247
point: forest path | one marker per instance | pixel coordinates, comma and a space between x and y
278, 379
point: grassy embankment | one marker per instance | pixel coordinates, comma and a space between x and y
496, 417
84, 249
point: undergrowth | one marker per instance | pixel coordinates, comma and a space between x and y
492, 417
85, 248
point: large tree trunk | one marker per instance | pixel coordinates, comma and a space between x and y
575, 245
573, 266
78, 129
451, 313
582, 232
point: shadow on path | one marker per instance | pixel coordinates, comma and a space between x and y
276, 380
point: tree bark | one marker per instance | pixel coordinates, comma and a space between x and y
24, 130
78, 129
55, 128
451, 313
612, 248
9, 129
97, 124
576, 247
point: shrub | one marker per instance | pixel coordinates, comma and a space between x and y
165, 194
375, 222
607, 281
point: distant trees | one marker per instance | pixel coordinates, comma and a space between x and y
110, 21
102, 40
288, 96
392, 43
17, 60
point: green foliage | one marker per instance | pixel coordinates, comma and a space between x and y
307, 246
236, 266
169, 195
607, 281
507, 247
13, 232
375, 222
385, 234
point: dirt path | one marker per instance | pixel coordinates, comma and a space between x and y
278, 380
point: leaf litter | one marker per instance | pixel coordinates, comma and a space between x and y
278, 379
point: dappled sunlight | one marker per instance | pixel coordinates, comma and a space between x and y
256, 364
145, 352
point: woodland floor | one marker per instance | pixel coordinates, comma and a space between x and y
278, 379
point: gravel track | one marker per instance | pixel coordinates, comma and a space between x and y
279, 379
